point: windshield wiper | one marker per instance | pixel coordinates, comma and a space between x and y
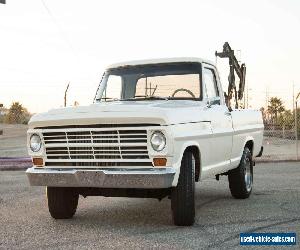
185, 98
106, 98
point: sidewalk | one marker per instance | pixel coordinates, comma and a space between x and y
278, 149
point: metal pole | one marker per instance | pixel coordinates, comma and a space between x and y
296, 130
65, 97
296, 124
294, 98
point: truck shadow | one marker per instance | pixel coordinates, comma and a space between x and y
210, 203
124, 212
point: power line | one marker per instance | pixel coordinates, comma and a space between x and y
267, 96
60, 29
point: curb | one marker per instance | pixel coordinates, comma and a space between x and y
13, 168
15, 159
14, 163
277, 161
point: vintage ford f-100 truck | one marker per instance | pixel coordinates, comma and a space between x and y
155, 128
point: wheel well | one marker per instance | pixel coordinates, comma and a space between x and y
249, 144
196, 153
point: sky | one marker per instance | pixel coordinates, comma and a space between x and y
44, 45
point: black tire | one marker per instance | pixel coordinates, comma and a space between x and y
183, 195
241, 178
62, 202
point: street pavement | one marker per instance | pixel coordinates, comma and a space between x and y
128, 223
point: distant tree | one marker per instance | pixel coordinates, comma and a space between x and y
286, 119
1, 113
17, 114
275, 107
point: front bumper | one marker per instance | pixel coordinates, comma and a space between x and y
102, 178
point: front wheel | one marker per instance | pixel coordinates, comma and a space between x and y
62, 202
183, 195
241, 178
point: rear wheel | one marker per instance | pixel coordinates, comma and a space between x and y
62, 202
183, 195
241, 178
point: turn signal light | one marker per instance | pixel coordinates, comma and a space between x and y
160, 162
38, 162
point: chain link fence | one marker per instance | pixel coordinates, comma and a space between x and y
280, 142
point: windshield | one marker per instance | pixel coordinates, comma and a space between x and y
151, 82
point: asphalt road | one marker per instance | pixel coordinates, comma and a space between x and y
124, 223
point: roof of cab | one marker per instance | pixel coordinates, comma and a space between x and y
158, 61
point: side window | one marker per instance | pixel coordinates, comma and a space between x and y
211, 89
113, 87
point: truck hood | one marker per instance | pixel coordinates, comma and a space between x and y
164, 112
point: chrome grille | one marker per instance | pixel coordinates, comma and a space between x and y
102, 137
108, 146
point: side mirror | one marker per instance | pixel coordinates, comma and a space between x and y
214, 101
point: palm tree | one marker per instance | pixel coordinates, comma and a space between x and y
17, 114
275, 107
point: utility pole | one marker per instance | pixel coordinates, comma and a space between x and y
65, 97
293, 97
1, 105
294, 111
296, 125
267, 97
267, 101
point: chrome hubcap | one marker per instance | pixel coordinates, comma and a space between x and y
248, 175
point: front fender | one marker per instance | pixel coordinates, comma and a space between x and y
179, 151
191, 134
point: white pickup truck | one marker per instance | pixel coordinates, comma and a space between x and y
155, 128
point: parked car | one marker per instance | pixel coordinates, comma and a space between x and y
155, 128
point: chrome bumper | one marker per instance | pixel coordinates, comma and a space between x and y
105, 178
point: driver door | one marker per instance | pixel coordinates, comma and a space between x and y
221, 120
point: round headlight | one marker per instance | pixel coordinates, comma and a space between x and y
158, 141
35, 143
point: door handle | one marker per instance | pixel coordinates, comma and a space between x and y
227, 113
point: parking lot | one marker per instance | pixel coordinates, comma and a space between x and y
125, 223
